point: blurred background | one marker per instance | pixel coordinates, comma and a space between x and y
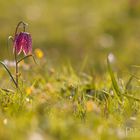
78, 31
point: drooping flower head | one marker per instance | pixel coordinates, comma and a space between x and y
23, 42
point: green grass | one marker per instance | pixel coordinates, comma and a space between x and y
65, 104
74, 92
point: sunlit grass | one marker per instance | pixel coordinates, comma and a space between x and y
64, 104
74, 90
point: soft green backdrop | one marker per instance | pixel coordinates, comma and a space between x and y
77, 30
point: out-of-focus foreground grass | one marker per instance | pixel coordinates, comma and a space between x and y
72, 93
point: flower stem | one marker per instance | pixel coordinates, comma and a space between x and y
24, 25
16, 59
30, 55
16, 69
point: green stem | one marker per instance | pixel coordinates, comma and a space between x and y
16, 68
24, 25
16, 59
26, 57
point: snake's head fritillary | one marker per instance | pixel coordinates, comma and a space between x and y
23, 42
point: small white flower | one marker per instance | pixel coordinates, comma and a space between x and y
9, 63
111, 57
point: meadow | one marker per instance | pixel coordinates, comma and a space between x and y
83, 81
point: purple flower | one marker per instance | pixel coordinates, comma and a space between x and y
23, 42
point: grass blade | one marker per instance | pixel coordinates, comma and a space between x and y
9, 73
128, 84
131, 97
114, 82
